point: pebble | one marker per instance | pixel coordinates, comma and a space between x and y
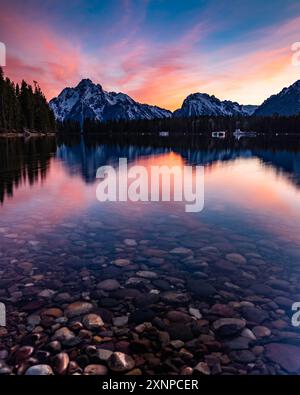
202, 368
130, 242
121, 262
78, 308
120, 362
261, 331
95, 370
120, 321
181, 251
195, 313
236, 258
146, 274
39, 370
92, 321
109, 285
61, 363
229, 326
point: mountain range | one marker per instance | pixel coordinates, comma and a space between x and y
89, 100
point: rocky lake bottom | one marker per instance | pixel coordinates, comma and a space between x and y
134, 289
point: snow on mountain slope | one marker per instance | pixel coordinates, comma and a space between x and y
88, 100
286, 102
198, 104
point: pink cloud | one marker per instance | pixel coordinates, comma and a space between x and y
153, 71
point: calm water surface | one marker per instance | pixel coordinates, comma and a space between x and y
57, 242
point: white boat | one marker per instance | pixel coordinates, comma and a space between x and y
220, 135
164, 134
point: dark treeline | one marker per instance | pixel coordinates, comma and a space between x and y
204, 124
23, 108
24, 161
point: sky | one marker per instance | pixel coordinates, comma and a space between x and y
157, 51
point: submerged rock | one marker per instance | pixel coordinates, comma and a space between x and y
120, 362
229, 326
286, 355
78, 308
39, 370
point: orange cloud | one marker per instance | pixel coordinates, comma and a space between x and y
154, 71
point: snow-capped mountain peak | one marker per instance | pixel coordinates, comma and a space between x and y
198, 104
89, 100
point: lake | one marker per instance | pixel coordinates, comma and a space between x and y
85, 282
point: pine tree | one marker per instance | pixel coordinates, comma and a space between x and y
22, 108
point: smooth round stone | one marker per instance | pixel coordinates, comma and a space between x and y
33, 319
25, 266
130, 242
246, 332
200, 288
181, 251
54, 346
121, 262
78, 308
177, 344
109, 285
61, 363
146, 274
103, 354
39, 370
120, 362
229, 326
178, 316
283, 301
254, 314
93, 321
261, 331
46, 293
120, 321
24, 353
239, 343
95, 370
226, 266
52, 312
222, 310
175, 297
63, 334
180, 331
244, 356
236, 258
280, 324
187, 371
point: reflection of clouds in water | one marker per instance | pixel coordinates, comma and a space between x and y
239, 187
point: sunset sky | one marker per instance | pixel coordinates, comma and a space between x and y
157, 51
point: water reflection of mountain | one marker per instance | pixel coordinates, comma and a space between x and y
84, 159
28, 162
